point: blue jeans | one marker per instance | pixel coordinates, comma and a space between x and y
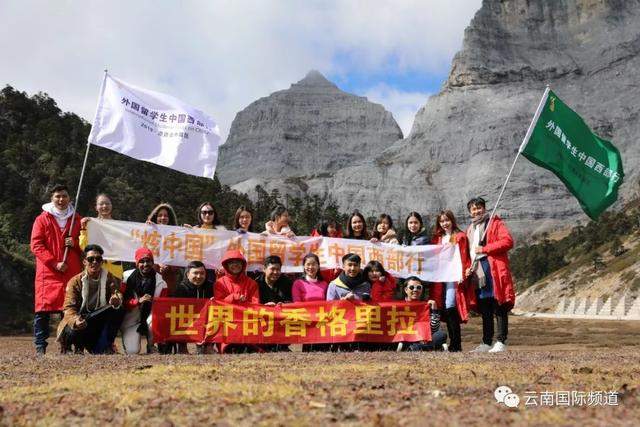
41, 329
437, 339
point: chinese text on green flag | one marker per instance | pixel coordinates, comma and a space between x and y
589, 166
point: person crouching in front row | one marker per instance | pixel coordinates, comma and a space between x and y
195, 285
235, 287
413, 292
143, 284
92, 307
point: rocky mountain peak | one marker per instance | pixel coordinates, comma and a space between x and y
464, 138
315, 79
311, 129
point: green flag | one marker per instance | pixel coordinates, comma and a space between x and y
589, 166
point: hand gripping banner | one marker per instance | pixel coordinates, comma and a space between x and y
209, 321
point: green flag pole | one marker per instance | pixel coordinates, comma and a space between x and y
543, 100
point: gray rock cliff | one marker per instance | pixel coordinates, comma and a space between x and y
310, 129
465, 138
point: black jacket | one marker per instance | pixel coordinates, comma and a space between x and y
186, 289
281, 291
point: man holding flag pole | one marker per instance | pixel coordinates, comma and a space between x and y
590, 167
142, 124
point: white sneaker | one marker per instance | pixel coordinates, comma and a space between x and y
482, 348
399, 347
445, 347
498, 347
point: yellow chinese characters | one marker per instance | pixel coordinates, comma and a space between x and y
256, 321
295, 322
401, 322
369, 320
333, 320
219, 317
181, 321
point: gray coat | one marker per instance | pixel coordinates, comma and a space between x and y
337, 289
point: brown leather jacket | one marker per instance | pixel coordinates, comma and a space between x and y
73, 297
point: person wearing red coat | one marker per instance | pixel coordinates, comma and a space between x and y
383, 284
237, 288
452, 299
49, 238
491, 274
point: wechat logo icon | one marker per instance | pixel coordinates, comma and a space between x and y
504, 394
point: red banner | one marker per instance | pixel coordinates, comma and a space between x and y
198, 321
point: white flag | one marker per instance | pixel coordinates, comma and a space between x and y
156, 128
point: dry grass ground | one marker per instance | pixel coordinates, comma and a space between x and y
385, 388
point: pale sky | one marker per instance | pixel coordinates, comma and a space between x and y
220, 56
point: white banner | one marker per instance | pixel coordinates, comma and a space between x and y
156, 128
179, 245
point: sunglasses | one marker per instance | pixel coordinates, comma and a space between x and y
207, 212
415, 287
92, 259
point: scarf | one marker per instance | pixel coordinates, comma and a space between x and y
102, 291
139, 285
351, 282
478, 225
60, 216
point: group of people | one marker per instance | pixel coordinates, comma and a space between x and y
98, 298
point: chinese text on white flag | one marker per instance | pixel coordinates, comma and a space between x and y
156, 128
178, 245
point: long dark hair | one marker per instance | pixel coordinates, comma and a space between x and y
323, 227
153, 216
381, 218
350, 234
236, 218
438, 230
216, 218
417, 216
371, 266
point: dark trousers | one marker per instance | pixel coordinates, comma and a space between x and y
452, 317
41, 322
99, 334
489, 308
437, 339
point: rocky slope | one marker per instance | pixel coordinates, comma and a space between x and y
464, 139
312, 129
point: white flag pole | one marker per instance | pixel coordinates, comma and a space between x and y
536, 116
84, 165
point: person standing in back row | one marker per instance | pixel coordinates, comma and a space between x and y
490, 274
50, 237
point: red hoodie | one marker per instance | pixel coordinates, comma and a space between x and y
230, 288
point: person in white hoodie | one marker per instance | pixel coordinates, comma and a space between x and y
51, 235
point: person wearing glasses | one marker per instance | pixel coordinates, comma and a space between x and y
92, 307
207, 217
413, 291
143, 284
